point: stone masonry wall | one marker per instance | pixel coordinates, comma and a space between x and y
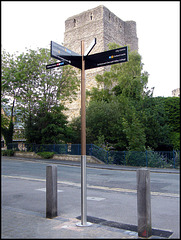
106, 27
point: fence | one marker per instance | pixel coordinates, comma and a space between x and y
160, 159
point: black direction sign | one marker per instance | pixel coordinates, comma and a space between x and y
118, 55
62, 53
54, 65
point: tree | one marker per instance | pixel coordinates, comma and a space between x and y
7, 132
31, 87
115, 123
7, 126
153, 117
123, 114
8, 94
47, 127
126, 79
114, 99
40, 86
172, 108
134, 131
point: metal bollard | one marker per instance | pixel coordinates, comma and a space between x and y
51, 191
144, 203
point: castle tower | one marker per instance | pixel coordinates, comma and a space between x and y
106, 27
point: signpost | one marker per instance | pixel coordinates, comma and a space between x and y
102, 59
62, 53
83, 145
83, 62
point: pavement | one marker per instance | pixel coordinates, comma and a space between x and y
17, 223
22, 224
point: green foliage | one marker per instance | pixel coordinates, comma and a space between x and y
47, 127
124, 124
134, 132
172, 108
143, 159
123, 114
46, 155
8, 152
100, 142
155, 160
40, 87
154, 119
136, 158
125, 79
177, 159
35, 90
7, 132
102, 119
112, 125
175, 140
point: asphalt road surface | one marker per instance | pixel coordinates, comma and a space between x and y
111, 194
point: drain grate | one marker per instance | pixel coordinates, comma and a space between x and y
129, 227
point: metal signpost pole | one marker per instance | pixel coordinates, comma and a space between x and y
83, 143
83, 222
83, 99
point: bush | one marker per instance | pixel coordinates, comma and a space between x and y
7, 152
99, 153
143, 159
155, 159
46, 154
136, 158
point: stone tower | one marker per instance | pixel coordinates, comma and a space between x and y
106, 27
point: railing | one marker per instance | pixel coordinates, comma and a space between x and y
160, 159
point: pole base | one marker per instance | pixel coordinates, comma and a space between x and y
79, 224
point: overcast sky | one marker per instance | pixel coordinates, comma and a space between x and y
33, 24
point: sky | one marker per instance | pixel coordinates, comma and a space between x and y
33, 24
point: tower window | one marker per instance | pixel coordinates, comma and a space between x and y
109, 16
74, 22
91, 16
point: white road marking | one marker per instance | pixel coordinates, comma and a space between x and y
44, 190
124, 190
95, 198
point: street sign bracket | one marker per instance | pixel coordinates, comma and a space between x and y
93, 43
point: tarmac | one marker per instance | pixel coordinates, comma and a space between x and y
23, 224
97, 165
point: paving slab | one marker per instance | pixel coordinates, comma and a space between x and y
22, 224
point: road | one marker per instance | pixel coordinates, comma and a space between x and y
111, 194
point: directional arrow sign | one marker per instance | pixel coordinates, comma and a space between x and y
62, 53
54, 65
106, 58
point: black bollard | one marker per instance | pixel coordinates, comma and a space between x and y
144, 203
51, 191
